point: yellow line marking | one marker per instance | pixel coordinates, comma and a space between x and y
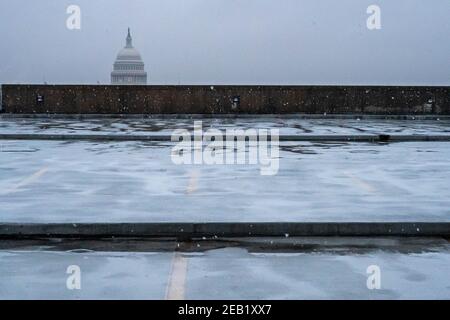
363, 184
28, 180
193, 182
176, 285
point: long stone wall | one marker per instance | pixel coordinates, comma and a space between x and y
106, 99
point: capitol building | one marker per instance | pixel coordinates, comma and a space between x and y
129, 67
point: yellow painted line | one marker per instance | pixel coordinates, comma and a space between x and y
361, 183
193, 182
176, 286
28, 180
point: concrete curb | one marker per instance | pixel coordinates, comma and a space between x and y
216, 230
282, 138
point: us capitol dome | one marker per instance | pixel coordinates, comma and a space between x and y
129, 67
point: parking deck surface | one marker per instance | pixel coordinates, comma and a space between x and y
46, 181
231, 273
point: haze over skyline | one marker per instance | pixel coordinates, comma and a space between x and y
229, 41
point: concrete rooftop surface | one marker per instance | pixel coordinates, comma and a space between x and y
227, 273
47, 181
135, 181
81, 181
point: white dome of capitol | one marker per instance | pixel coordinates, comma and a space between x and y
128, 54
128, 67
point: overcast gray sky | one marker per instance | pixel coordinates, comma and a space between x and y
229, 41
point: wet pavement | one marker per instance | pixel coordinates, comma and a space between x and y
163, 126
46, 181
82, 181
230, 273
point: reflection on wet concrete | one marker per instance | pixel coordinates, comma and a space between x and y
166, 125
137, 182
228, 273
